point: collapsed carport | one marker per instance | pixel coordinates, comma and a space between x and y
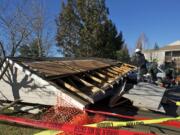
78, 81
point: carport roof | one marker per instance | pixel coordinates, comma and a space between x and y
49, 67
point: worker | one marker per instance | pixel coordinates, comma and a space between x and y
169, 69
173, 64
140, 62
153, 70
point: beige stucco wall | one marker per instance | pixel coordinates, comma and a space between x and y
18, 83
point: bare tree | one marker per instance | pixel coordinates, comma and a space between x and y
14, 24
22, 23
40, 27
142, 41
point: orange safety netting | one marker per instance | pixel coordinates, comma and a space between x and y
65, 113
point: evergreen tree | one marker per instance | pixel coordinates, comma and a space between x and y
109, 41
30, 50
156, 46
84, 30
68, 23
123, 54
93, 15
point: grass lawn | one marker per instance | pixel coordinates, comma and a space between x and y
7, 128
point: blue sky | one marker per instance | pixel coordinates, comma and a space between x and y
158, 19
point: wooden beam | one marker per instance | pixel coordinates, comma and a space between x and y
101, 75
131, 66
107, 73
94, 78
117, 70
124, 69
72, 82
94, 88
112, 71
102, 82
108, 79
73, 89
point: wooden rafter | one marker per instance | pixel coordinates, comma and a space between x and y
108, 73
112, 71
128, 65
94, 88
73, 89
108, 79
123, 68
94, 78
100, 81
101, 75
72, 83
116, 70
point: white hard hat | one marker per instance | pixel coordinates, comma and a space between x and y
137, 50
